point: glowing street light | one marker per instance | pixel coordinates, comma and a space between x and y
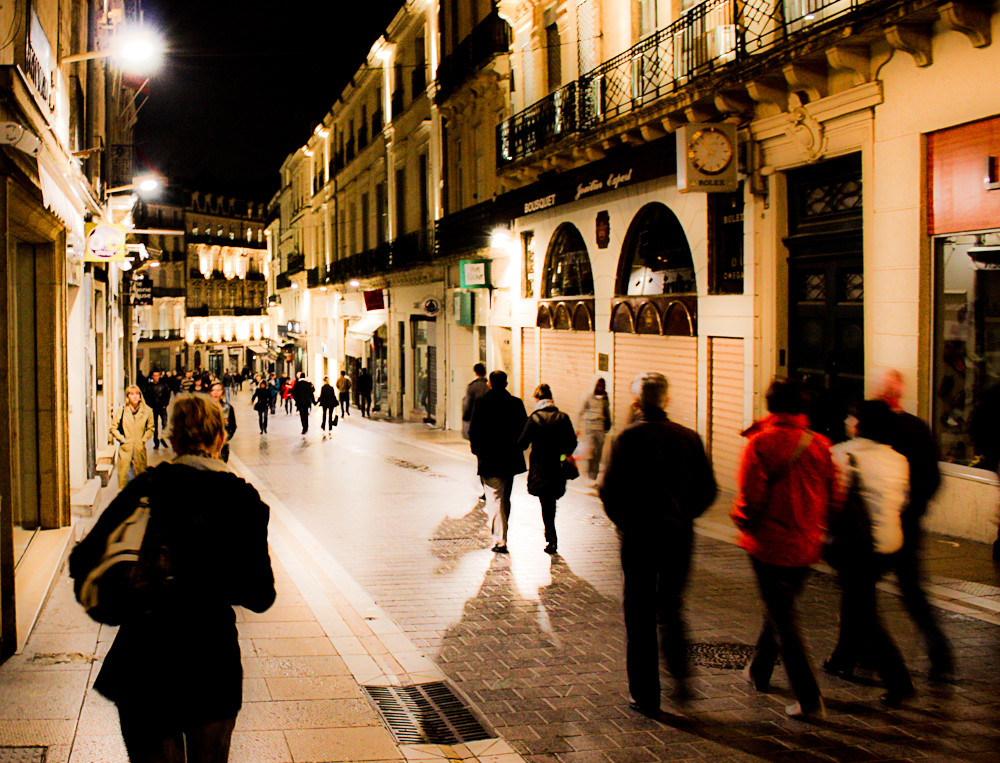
136, 48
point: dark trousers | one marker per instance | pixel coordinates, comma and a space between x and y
906, 563
274, 403
329, 412
288, 404
304, 417
159, 413
655, 576
345, 405
262, 419
861, 630
549, 518
365, 404
779, 588
149, 742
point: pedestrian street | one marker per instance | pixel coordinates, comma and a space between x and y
537, 642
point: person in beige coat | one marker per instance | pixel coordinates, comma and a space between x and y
132, 427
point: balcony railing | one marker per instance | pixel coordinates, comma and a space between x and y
152, 334
312, 278
706, 38
168, 291
467, 230
282, 281
491, 37
296, 262
406, 251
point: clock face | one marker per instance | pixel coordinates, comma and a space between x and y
710, 151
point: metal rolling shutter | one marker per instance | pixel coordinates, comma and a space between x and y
676, 357
567, 365
725, 408
529, 363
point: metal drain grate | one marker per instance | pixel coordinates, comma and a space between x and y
427, 714
720, 654
23, 754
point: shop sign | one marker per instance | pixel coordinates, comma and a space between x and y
602, 229
105, 242
474, 274
142, 291
374, 300
725, 214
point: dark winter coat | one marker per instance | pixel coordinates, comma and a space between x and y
497, 423
157, 394
261, 399
364, 384
658, 478
550, 434
304, 394
327, 397
911, 437
476, 389
181, 662
985, 429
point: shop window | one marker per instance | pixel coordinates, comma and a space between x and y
656, 258
567, 265
967, 337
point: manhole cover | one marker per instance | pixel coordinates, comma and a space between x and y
427, 714
720, 654
22, 754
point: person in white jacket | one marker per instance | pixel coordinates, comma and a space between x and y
874, 479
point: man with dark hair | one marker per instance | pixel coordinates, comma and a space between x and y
157, 397
304, 394
912, 438
498, 419
365, 385
658, 480
475, 390
787, 482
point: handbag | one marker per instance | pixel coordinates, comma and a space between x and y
569, 467
849, 531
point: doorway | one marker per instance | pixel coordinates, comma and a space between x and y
423, 341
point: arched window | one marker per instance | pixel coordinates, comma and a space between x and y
567, 265
656, 258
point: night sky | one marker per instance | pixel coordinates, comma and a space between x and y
244, 83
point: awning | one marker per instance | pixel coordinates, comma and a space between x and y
56, 199
259, 349
363, 328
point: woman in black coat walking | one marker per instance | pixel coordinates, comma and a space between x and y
550, 434
261, 399
175, 670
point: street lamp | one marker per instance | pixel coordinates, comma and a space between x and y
147, 183
136, 48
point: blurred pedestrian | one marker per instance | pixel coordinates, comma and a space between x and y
187, 383
497, 422
131, 428
228, 417
304, 394
595, 421
911, 437
328, 403
275, 388
787, 483
158, 398
984, 429
549, 433
874, 480
286, 395
657, 481
261, 402
227, 385
344, 393
473, 391
365, 384
174, 670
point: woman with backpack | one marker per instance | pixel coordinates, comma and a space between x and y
174, 669
550, 434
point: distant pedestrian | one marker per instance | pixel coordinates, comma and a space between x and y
595, 421
131, 428
498, 420
877, 477
286, 395
261, 402
911, 437
227, 385
187, 383
174, 670
199, 384
365, 384
275, 389
787, 483
328, 403
549, 433
158, 398
657, 481
344, 394
305, 398
473, 391
228, 417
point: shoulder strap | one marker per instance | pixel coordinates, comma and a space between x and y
804, 442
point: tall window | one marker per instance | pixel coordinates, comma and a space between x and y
567, 265
424, 200
656, 258
381, 215
553, 56
364, 223
400, 201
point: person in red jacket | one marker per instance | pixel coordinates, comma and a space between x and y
787, 483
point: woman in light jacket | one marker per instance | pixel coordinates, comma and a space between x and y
595, 421
874, 479
174, 669
550, 434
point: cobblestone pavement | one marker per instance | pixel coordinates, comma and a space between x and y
537, 643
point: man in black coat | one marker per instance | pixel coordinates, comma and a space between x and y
497, 422
365, 385
157, 396
658, 480
328, 402
304, 395
913, 438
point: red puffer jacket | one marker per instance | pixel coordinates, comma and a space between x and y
781, 510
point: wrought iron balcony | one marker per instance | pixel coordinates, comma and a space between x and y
282, 281
312, 278
154, 334
707, 38
491, 37
296, 262
467, 230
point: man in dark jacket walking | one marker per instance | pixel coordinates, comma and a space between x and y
497, 422
365, 384
328, 403
475, 390
304, 394
658, 479
912, 438
157, 396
